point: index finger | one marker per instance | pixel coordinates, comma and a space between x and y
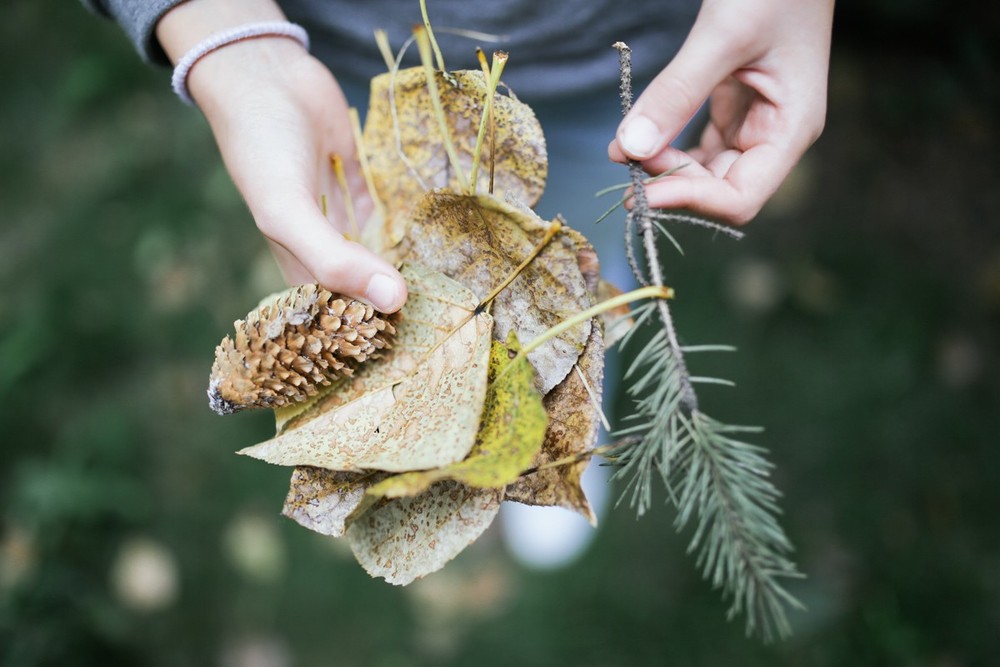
736, 197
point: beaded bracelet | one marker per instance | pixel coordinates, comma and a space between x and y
226, 37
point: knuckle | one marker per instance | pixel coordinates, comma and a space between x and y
267, 215
733, 30
265, 225
743, 216
743, 211
818, 125
274, 213
677, 95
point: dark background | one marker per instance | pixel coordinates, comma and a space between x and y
865, 302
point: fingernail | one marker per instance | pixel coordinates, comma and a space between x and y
640, 137
382, 292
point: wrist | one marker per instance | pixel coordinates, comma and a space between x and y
188, 23
220, 47
243, 68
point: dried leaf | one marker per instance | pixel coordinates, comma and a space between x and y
513, 429
574, 424
407, 156
586, 259
478, 241
419, 407
327, 501
618, 321
444, 388
407, 538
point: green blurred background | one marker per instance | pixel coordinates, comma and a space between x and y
865, 302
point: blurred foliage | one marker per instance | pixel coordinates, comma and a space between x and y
865, 302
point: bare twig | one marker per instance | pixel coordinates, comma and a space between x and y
641, 215
633, 263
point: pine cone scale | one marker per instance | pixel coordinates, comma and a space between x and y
285, 350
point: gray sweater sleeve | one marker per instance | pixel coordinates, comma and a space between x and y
138, 19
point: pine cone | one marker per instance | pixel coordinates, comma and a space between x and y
286, 349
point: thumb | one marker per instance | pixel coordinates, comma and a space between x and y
333, 261
675, 95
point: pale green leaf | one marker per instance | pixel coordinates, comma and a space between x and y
574, 425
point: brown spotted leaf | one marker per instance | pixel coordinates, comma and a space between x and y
418, 407
586, 259
405, 149
617, 321
574, 424
479, 241
512, 431
407, 538
326, 501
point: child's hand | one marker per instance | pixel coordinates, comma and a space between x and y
278, 115
763, 67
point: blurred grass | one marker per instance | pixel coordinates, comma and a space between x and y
865, 303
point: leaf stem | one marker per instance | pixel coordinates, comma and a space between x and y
595, 400
492, 81
649, 292
554, 228
430, 35
487, 114
352, 218
572, 458
423, 44
580, 456
382, 42
366, 170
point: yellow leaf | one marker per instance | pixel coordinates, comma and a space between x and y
407, 538
406, 153
512, 431
478, 241
574, 424
418, 407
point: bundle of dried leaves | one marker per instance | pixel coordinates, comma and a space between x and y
410, 454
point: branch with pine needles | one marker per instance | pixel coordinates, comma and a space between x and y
717, 482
